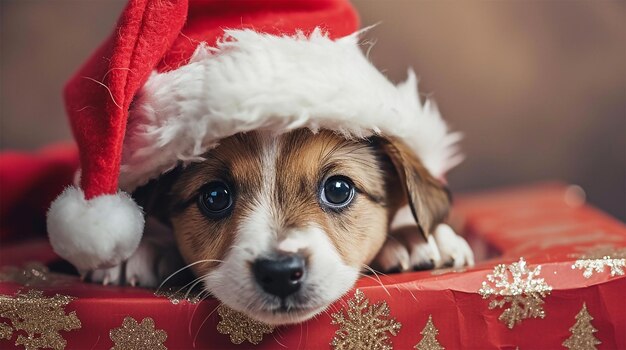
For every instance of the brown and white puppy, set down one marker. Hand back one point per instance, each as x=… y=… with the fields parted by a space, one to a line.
x=281 y=226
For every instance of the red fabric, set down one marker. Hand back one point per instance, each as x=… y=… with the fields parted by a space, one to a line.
x=208 y=19
x=99 y=95
x=533 y=222
x=148 y=35
x=28 y=183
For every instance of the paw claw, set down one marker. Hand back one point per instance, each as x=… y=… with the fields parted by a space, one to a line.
x=133 y=281
x=426 y=265
x=449 y=263
x=396 y=269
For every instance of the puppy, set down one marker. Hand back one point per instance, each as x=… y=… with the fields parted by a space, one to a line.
x=281 y=226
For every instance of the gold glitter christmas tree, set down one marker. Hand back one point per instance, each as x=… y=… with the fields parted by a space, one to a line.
x=364 y=326
x=520 y=288
x=40 y=317
x=582 y=332
x=240 y=327
x=429 y=339
x=137 y=336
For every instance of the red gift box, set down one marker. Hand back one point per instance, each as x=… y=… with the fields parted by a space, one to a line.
x=551 y=277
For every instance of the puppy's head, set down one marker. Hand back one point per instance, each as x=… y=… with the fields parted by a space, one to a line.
x=279 y=227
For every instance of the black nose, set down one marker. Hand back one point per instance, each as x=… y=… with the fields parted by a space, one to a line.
x=281 y=276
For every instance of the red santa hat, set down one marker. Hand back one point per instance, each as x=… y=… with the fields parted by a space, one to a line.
x=176 y=76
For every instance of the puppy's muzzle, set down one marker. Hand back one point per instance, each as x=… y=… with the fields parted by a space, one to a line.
x=280 y=276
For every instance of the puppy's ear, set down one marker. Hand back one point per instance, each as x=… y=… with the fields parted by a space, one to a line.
x=155 y=196
x=428 y=198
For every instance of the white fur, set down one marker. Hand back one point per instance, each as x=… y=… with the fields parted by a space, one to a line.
x=155 y=259
x=453 y=247
x=408 y=249
x=96 y=233
x=256 y=81
x=327 y=277
x=261 y=235
x=404 y=217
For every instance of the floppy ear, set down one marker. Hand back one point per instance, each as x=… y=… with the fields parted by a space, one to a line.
x=155 y=196
x=428 y=198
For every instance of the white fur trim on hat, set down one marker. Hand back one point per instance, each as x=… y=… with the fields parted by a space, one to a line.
x=95 y=233
x=256 y=81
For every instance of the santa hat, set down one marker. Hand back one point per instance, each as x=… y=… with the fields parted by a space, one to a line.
x=176 y=76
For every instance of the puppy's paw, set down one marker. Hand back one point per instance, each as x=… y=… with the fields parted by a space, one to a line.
x=406 y=249
x=454 y=249
x=147 y=267
x=392 y=257
x=110 y=276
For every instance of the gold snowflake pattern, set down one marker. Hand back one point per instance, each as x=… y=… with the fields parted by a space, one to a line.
x=364 y=326
x=40 y=317
x=241 y=327
x=582 y=337
x=137 y=336
x=520 y=288
x=429 y=337
x=6 y=331
x=597 y=258
x=597 y=265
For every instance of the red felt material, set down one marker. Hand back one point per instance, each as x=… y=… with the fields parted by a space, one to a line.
x=163 y=34
x=99 y=95
x=28 y=183
x=208 y=19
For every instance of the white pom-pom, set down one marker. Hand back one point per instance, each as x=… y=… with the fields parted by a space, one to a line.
x=95 y=233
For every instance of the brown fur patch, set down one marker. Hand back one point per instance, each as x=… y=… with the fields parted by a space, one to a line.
x=304 y=160
x=428 y=198
x=235 y=161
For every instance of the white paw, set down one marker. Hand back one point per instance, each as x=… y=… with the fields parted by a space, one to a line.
x=453 y=248
x=147 y=267
x=406 y=249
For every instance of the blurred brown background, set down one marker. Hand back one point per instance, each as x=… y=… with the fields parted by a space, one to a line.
x=538 y=87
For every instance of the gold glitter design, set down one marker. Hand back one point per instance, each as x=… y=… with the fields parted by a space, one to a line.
x=364 y=326
x=582 y=332
x=6 y=331
x=137 y=336
x=40 y=317
x=176 y=295
x=429 y=337
x=597 y=265
x=34 y=274
x=525 y=292
x=240 y=327
x=597 y=258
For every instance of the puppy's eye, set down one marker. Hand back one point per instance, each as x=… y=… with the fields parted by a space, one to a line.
x=215 y=200
x=337 y=192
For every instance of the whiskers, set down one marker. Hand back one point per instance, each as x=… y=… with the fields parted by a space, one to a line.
x=378 y=280
x=183 y=269
x=377 y=277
